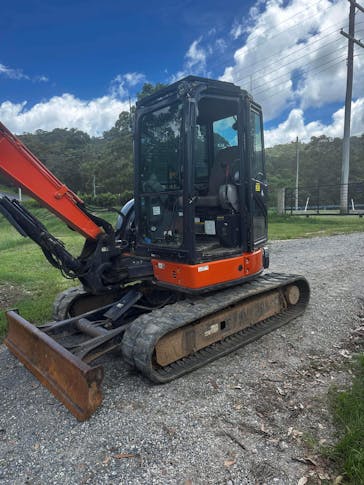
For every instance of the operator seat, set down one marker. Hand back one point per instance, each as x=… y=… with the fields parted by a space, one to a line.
x=222 y=174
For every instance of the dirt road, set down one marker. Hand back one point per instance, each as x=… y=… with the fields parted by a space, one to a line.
x=248 y=418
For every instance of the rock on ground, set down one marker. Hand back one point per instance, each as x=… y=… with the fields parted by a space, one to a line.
x=249 y=418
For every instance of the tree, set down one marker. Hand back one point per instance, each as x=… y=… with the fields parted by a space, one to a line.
x=149 y=89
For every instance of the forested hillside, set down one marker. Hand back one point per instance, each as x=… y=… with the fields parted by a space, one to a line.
x=319 y=163
x=105 y=164
x=81 y=161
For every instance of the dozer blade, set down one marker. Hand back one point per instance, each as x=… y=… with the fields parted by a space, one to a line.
x=72 y=381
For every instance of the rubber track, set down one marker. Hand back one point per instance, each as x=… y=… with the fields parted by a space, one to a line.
x=142 y=335
x=64 y=300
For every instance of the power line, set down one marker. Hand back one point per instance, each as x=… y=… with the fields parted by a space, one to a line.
x=297 y=59
x=314 y=69
x=337 y=61
x=318 y=36
x=289 y=18
x=303 y=71
x=250 y=38
x=295 y=52
x=300 y=68
x=302 y=47
x=224 y=57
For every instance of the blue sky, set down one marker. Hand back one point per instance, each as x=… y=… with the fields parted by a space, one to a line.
x=75 y=63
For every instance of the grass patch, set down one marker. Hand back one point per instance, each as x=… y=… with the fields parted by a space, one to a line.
x=8 y=189
x=24 y=266
x=292 y=227
x=348 y=412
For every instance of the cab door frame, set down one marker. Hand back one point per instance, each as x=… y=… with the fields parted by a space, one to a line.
x=257 y=181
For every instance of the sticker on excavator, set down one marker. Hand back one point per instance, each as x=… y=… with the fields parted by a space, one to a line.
x=72 y=381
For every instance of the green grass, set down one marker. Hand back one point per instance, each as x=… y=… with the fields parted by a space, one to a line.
x=23 y=265
x=348 y=412
x=291 y=227
x=8 y=190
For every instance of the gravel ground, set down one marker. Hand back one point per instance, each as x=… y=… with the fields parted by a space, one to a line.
x=248 y=418
x=10 y=294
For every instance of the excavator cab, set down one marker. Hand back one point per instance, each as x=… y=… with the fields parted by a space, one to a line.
x=200 y=185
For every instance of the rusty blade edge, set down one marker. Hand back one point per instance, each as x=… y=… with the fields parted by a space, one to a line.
x=73 y=382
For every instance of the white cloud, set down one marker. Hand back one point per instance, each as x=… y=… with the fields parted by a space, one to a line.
x=195 y=56
x=134 y=78
x=220 y=45
x=293 y=55
x=295 y=125
x=12 y=73
x=194 y=63
x=18 y=74
x=41 y=79
x=66 y=111
x=121 y=83
x=237 y=31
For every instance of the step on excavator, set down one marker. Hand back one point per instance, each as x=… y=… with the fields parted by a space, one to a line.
x=179 y=281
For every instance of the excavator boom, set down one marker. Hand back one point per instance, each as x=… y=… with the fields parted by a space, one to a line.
x=25 y=170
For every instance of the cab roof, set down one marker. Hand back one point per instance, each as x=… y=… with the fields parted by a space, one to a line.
x=212 y=86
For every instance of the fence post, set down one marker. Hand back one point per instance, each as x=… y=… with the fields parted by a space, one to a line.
x=281 y=201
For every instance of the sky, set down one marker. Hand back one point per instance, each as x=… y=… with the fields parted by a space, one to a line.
x=78 y=64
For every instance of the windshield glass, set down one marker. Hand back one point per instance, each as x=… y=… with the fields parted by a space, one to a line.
x=160 y=150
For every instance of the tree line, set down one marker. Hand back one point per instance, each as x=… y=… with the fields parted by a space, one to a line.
x=319 y=163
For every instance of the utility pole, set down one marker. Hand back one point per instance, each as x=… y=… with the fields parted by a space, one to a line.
x=297 y=169
x=349 y=91
x=94 y=185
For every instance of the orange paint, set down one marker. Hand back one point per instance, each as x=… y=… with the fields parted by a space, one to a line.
x=26 y=171
x=208 y=273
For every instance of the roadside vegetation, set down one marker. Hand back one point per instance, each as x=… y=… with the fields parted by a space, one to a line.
x=27 y=281
x=291 y=227
x=7 y=189
x=348 y=412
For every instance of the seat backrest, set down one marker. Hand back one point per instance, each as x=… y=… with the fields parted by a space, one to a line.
x=221 y=172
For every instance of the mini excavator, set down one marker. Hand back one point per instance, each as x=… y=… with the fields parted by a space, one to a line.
x=179 y=281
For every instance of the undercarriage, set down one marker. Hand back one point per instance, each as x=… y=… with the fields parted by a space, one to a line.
x=163 y=335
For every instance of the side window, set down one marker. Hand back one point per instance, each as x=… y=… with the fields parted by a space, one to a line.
x=257 y=162
x=225 y=133
x=160 y=149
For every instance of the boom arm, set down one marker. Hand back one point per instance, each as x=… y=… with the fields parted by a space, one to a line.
x=97 y=267
x=24 y=168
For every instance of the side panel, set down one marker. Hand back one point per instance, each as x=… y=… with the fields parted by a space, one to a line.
x=207 y=274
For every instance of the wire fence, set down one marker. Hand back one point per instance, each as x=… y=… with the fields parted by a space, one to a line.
x=323 y=199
